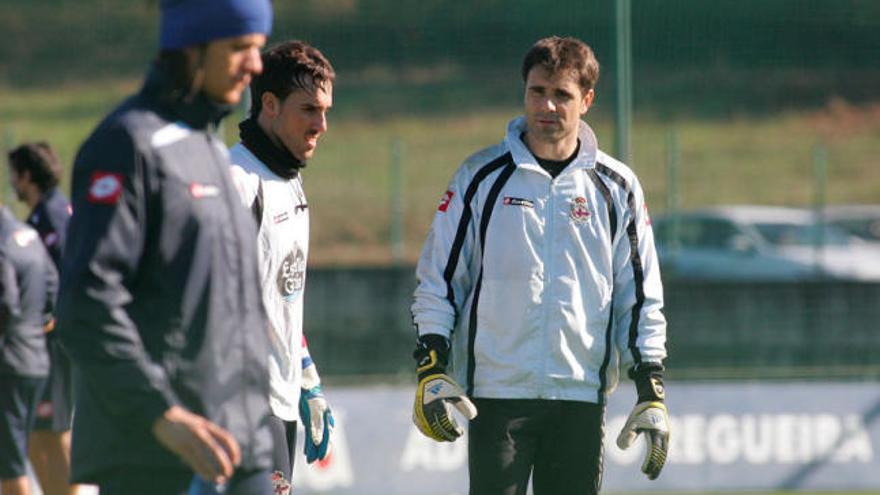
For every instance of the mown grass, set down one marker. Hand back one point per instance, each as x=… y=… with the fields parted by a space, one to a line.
x=746 y=159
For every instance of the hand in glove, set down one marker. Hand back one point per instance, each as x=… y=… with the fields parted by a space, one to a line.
x=649 y=417
x=437 y=392
x=314 y=412
x=318 y=423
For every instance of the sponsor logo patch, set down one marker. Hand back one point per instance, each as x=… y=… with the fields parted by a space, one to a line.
x=281 y=217
x=199 y=191
x=580 y=211
x=444 y=201
x=105 y=188
x=280 y=486
x=658 y=388
x=526 y=203
x=292 y=275
x=24 y=237
x=44 y=409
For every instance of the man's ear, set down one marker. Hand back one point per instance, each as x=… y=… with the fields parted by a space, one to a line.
x=271 y=105
x=587 y=102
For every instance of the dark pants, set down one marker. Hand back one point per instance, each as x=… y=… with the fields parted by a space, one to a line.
x=284 y=455
x=55 y=408
x=557 y=443
x=18 y=404
x=137 y=480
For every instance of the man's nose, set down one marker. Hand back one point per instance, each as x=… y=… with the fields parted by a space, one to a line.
x=321 y=122
x=254 y=63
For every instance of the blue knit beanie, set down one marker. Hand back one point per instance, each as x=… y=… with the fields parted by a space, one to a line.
x=193 y=22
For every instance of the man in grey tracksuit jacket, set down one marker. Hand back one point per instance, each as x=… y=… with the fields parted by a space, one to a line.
x=539 y=280
x=28 y=285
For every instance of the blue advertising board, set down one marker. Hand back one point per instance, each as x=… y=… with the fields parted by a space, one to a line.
x=725 y=436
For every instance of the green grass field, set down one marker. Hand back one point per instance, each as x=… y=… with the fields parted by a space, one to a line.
x=745 y=159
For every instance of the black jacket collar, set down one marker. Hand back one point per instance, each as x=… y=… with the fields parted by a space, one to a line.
x=177 y=104
x=278 y=158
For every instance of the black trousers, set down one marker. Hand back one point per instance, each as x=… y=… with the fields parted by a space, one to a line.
x=169 y=481
x=556 y=443
x=18 y=404
x=284 y=454
x=55 y=409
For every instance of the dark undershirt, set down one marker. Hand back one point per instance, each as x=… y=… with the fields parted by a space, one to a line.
x=555 y=167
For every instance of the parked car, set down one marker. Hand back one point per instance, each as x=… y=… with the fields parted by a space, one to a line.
x=760 y=243
x=862 y=221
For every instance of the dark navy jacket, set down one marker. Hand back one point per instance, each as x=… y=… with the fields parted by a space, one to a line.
x=49 y=218
x=160 y=298
x=28 y=285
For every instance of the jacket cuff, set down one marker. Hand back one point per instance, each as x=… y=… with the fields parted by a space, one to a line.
x=152 y=410
x=648 y=378
x=429 y=328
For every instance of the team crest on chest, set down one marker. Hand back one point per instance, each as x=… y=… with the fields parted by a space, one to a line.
x=580 y=211
x=292 y=275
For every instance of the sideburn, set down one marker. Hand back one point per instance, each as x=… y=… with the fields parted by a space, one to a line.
x=185 y=67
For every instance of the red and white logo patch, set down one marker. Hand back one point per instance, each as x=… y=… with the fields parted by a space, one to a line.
x=44 y=410
x=580 y=213
x=105 y=188
x=444 y=201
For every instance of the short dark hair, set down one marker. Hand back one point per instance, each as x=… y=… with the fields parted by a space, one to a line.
x=289 y=66
x=40 y=161
x=564 y=54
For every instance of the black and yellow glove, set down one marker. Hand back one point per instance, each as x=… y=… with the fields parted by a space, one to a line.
x=650 y=417
x=437 y=392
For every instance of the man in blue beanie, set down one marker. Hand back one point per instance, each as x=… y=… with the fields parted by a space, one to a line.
x=160 y=300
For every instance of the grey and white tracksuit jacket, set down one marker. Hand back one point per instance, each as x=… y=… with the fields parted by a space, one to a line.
x=547 y=287
x=282 y=215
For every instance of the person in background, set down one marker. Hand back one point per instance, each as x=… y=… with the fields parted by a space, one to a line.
x=34 y=171
x=291 y=99
x=159 y=306
x=539 y=279
x=28 y=286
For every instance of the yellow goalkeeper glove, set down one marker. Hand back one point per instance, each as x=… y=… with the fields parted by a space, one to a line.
x=437 y=393
x=648 y=417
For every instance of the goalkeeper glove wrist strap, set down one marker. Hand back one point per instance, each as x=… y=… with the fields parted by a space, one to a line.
x=431 y=355
x=648 y=378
